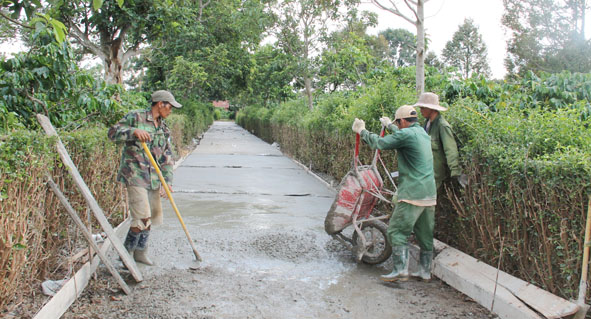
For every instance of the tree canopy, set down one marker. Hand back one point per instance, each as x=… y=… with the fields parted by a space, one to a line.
x=466 y=51
x=546 y=35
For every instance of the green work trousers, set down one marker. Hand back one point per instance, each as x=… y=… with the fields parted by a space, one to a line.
x=408 y=218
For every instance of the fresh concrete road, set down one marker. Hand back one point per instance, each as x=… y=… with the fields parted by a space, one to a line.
x=257 y=219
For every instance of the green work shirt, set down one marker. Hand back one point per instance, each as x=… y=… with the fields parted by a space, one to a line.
x=415 y=160
x=135 y=168
x=445 y=150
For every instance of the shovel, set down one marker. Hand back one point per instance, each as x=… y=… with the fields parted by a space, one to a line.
x=176 y=210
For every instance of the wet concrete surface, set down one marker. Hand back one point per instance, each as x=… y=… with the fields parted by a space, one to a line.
x=257 y=220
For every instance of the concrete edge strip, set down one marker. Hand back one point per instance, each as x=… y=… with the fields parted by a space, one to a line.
x=74 y=287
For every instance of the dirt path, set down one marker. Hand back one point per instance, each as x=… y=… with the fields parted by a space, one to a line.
x=257 y=220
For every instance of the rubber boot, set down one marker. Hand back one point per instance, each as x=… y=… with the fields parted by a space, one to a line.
x=131 y=241
x=141 y=250
x=424 y=272
x=130 y=244
x=400 y=270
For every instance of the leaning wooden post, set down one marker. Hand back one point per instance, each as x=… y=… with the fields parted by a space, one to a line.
x=92 y=203
x=87 y=235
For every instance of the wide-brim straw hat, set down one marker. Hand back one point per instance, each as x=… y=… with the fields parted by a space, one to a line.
x=430 y=101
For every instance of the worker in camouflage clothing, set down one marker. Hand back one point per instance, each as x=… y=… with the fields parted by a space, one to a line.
x=136 y=172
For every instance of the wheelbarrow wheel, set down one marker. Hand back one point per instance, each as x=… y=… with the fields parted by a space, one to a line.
x=376 y=237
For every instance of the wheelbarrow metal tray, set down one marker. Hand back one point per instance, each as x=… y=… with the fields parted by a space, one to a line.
x=353 y=198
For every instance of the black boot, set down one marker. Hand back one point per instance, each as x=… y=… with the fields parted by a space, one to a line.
x=141 y=251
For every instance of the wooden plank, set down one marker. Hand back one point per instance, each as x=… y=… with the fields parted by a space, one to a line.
x=88 y=235
x=92 y=203
x=64 y=298
x=463 y=273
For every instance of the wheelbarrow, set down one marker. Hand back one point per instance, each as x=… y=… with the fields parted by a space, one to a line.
x=358 y=194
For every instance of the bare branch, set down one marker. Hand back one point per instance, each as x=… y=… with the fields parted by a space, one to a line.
x=393 y=10
x=412 y=9
x=85 y=42
x=15 y=21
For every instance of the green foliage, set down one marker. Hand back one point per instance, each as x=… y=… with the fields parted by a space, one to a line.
x=47 y=80
x=186 y=79
x=197 y=117
x=345 y=64
x=269 y=77
x=216 y=54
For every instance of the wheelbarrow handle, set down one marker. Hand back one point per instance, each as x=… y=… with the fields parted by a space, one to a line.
x=358 y=142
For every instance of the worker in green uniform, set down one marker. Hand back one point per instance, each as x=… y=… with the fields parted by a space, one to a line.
x=136 y=172
x=416 y=200
x=443 y=144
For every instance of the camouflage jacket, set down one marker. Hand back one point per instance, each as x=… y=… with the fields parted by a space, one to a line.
x=135 y=168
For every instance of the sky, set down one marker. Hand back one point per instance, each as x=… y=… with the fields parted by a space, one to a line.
x=442 y=20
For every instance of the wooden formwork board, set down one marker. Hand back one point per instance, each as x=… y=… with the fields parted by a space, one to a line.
x=74 y=287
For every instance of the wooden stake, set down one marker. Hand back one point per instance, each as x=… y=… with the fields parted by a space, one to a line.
x=585 y=267
x=87 y=235
x=498 y=269
x=92 y=203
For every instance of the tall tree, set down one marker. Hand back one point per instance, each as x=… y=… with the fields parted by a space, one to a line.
x=432 y=60
x=546 y=35
x=218 y=52
x=301 y=26
x=466 y=51
x=115 y=30
x=345 y=63
x=402 y=45
x=416 y=16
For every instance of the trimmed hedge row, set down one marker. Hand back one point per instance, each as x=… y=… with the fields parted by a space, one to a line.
x=529 y=167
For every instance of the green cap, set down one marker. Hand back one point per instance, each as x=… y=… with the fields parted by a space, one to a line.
x=165 y=96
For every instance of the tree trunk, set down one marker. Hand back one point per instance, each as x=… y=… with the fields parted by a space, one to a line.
x=113 y=63
x=420 y=24
x=308 y=86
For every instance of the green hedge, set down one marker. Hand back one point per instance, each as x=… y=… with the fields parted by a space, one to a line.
x=525 y=146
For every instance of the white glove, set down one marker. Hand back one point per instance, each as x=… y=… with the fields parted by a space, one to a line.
x=358 y=126
x=386 y=121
